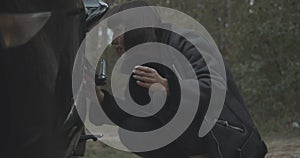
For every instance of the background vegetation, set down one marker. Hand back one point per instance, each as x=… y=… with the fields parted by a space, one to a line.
x=260 y=41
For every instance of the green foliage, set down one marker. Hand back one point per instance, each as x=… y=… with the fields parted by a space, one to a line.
x=99 y=150
x=266 y=61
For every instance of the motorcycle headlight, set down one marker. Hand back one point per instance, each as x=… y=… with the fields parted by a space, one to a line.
x=18 y=29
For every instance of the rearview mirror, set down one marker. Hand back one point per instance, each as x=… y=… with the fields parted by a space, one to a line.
x=95 y=9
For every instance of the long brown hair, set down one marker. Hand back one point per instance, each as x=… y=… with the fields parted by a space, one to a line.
x=140 y=35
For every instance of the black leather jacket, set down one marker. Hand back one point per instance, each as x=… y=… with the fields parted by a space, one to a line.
x=233 y=136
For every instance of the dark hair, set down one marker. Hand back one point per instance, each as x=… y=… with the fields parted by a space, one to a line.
x=140 y=35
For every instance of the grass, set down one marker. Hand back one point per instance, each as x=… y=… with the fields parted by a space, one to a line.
x=99 y=150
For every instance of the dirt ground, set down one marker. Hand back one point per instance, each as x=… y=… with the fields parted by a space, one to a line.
x=278 y=147
x=284 y=148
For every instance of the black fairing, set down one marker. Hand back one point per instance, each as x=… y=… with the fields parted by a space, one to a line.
x=36 y=85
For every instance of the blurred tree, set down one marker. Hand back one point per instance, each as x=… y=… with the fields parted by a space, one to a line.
x=267 y=56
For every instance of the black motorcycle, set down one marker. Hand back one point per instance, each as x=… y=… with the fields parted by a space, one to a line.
x=38 y=45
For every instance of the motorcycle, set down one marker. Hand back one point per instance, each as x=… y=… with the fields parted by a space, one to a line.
x=38 y=45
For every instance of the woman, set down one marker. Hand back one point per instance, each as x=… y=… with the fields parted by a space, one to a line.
x=234 y=135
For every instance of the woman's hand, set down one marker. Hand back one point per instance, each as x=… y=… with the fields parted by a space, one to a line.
x=88 y=80
x=100 y=95
x=147 y=76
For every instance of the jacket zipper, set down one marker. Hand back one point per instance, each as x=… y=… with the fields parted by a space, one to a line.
x=226 y=124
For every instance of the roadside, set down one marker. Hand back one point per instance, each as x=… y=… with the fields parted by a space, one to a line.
x=278 y=147
x=284 y=148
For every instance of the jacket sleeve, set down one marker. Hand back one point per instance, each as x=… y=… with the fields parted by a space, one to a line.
x=201 y=58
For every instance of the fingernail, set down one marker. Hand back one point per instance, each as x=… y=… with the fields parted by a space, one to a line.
x=134 y=76
x=133 y=71
x=136 y=66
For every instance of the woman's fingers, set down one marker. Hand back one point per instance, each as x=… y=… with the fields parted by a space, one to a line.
x=145 y=69
x=144 y=76
x=143 y=84
x=144 y=79
x=147 y=76
x=142 y=73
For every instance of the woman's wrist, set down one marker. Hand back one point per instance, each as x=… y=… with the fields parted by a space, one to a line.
x=100 y=95
x=165 y=83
